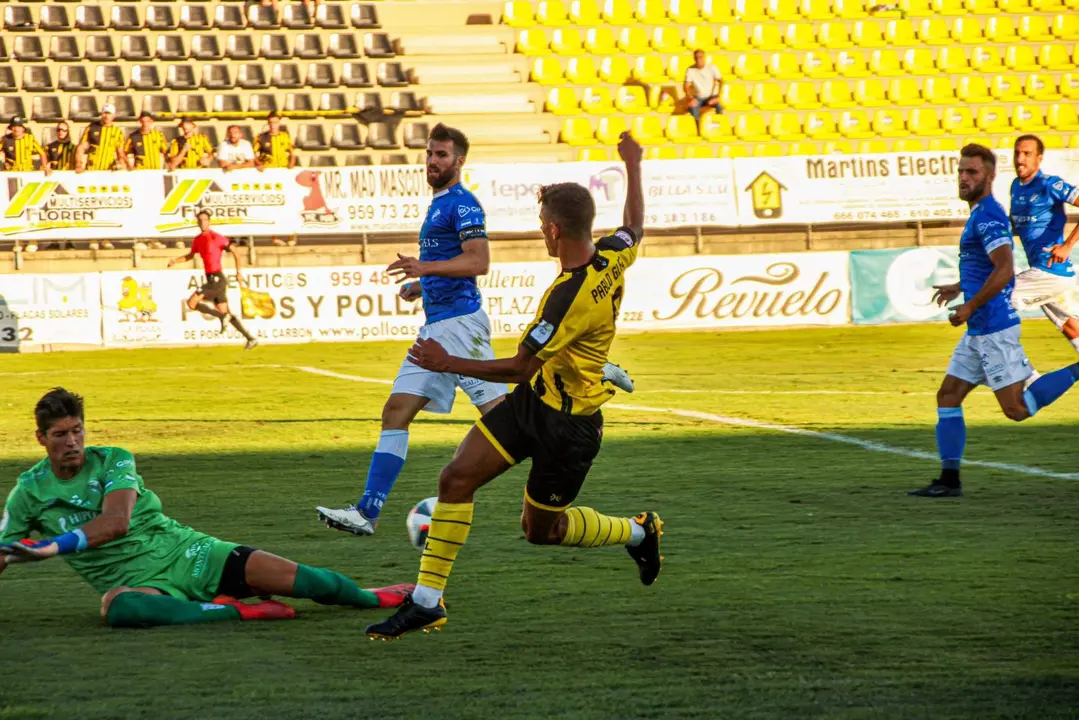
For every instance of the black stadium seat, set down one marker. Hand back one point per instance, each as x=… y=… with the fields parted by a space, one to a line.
x=27 y=48
x=227 y=103
x=205 y=47
x=251 y=77
x=109 y=78
x=405 y=103
x=261 y=18
x=73 y=78
x=83 y=109
x=64 y=48
x=135 y=48
x=125 y=107
x=157 y=105
x=358 y=159
x=18 y=18
x=295 y=17
x=54 y=19
x=229 y=17
x=145 y=77
x=369 y=106
x=323 y=161
x=311 y=137
x=365 y=17
x=346 y=136
x=380 y=136
x=261 y=103
x=275 y=47
x=286 y=75
x=298 y=102
x=195 y=17
x=331 y=103
x=391 y=74
x=3 y=50
x=99 y=48
x=394 y=159
x=89 y=16
x=181 y=77
x=160 y=18
x=321 y=75
x=331 y=16
x=343 y=46
x=309 y=47
x=11 y=106
x=7 y=79
x=378 y=45
x=217 y=77
x=416 y=135
x=171 y=47
x=125 y=18
x=240 y=47
x=356 y=75
x=191 y=104
x=37 y=79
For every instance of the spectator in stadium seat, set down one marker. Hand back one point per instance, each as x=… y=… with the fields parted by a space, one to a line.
x=702 y=85
x=235 y=152
x=61 y=151
x=192 y=150
x=19 y=147
x=102 y=144
x=274 y=150
x=146 y=147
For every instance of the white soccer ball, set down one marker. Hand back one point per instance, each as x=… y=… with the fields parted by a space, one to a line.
x=419 y=522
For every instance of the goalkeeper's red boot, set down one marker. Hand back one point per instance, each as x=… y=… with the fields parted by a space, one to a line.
x=392 y=596
x=264 y=610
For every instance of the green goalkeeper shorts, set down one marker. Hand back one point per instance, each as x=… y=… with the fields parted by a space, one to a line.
x=194 y=571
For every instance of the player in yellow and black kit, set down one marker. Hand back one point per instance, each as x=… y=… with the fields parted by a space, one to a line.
x=273 y=148
x=61 y=151
x=18 y=148
x=553 y=415
x=146 y=147
x=102 y=143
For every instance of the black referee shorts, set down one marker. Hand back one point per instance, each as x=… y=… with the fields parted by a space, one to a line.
x=215 y=289
x=562 y=446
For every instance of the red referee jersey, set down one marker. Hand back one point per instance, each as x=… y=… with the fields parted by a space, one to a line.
x=210 y=245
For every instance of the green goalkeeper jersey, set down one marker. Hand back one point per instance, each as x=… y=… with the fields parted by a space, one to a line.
x=40 y=502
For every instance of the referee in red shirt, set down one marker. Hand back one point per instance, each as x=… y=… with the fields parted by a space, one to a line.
x=211 y=246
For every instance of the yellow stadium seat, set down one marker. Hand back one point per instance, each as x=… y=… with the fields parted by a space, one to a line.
x=584 y=13
x=582 y=70
x=1014 y=7
x=900 y=33
x=924 y=122
x=782 y=10
x=1069 y=85
x=767 y=96
x=946 y=144
x=938 y=91
x=716 y=128
x=783 y=66
x=600 y=41
x=1066 y=27
x=546 y=71
x=885 y=63
x=578 y=131
x=872 y=147
x=1000 y=29
x=1047 y=6
x=733 y=151
x=981 y=7
x=649 y=69
x=852 y=64
x=818 y=65
x=985 y=59
x=676 y=68
x=868 y=34
x=1034 y=28
x=518 y=14
x=952 y=60
x=1028 y=118
x=614 y=70
x=595 y=154
x=662 y=152
x=617 y=12
x=750 y=67
x=934 y=31
x=716 y=11
x=919 y=61
x=1006 y=88
x=1020 y=58
x=610 y=129
x=633 y=41
x=562 y=101
x=948 y=7
x=802 y=96
x=982 y=140
x=567 y=41
x=889 y=123
x=667 y=40
x=992 y=119
x=871 y=93
x=750 y=10
x=682 y=129
x=1040 y=87
x=733 y=38
x=1055 y=57
x=916 y=8
x=854 y=125
x=1052 y=142
x=815 y=9
x=967 y=31
x=1075 y=55
x=958 y=121
x=684 y=12
x=766 y=37
x=1074 y=142
x=785 y=126
x=904 y=91
x=972 y=90
x=751 y=128
x=661 y=99
x=849 y=9
x=598 y=101
x=1062 y=116
x=701 y=152
x=533 y=41
x=838 y=147
x=651 y=12
x=803 y=148
x=836 y=94
x=820 y=126
x=701 y=37
x=908 y=145
x=552 y=13
x=834 y=36
x=647 y=130
x=735 y=97
x=800 y=36
x=767 y=150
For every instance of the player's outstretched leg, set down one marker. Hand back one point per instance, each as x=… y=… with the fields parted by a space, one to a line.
x=1066 y=323
x=1047 y=389
x=146 y=607
x=267 y=574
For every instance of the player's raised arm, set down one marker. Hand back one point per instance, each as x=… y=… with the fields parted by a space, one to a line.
x=633 y=213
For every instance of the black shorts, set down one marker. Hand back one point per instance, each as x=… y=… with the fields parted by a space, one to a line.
x=234 y=577
x=562 y=446
x=215 y=288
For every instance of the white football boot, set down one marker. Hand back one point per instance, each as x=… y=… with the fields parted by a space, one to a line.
x=348 y=519
x=617 y=377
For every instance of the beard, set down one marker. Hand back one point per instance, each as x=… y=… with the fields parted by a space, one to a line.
x=441 y=179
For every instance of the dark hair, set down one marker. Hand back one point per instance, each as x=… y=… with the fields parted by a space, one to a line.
x=54 y=405
x=188 y=120
x=146 y=113
x=274 y=114
x=200 y=213
x=441 y=133
x=1037 y=140
x=980 y=151
x=571 y=206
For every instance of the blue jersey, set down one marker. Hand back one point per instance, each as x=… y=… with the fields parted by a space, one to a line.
x=454 y=217
x=1038 y=219
x=986 y=230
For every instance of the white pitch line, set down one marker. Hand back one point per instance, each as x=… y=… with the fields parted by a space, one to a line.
x=339 y=376
x=701 y=391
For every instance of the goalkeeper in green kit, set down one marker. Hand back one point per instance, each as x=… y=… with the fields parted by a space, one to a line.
x=93 y=509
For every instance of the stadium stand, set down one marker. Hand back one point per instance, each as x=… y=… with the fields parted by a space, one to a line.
x=555 y=79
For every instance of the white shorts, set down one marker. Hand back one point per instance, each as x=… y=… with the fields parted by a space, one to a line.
x=996 y=360
x=463 y=336
x=1036 y=287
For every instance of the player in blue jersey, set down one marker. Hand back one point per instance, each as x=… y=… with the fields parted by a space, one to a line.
x=990 y=352
x=1038 y=218
x=453 y=251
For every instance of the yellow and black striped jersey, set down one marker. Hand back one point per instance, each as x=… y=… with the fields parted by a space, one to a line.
x=197 y=146
x=575 y=325
x=105 y=142
x=148 y=150
x=19 y=154
x=61 y=155
x=274 y=150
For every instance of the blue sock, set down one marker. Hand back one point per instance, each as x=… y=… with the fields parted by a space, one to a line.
x=1048 y=388
x=386 y=465
x=951 y=437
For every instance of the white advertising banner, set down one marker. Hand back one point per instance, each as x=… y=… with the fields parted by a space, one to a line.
x=50 y=309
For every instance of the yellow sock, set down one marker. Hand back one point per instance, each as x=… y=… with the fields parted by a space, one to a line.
x=450 y=524
x=587 y=528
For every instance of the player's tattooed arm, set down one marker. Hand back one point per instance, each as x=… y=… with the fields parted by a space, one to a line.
x=430 y=355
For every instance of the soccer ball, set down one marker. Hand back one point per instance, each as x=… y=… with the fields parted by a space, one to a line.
x=419 y=522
